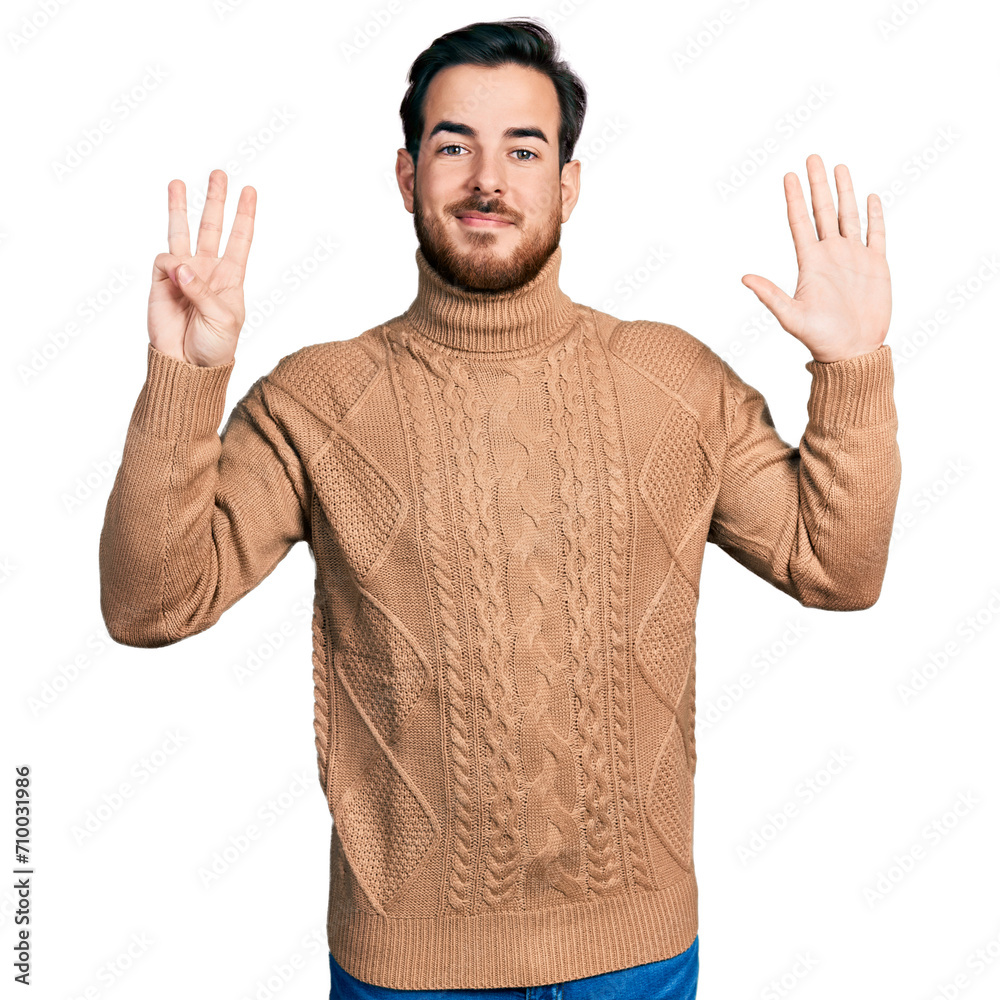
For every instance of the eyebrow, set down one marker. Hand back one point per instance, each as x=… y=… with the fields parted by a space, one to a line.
x=459 y=128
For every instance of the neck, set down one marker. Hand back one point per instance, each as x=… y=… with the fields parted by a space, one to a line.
x=490 y=322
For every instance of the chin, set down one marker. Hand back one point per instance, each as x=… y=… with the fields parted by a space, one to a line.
x=490 y=249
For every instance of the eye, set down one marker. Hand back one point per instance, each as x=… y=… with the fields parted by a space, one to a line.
x=523 y=159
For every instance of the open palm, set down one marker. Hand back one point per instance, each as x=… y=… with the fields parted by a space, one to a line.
x=842 y=301
x=199 y=321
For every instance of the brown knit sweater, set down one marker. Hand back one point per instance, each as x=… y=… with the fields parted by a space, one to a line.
x=508 y=499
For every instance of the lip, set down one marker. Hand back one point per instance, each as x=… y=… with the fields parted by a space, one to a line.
x=481 y=220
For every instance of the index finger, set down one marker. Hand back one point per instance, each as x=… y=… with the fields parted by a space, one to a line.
x=238 y=244
x=799 y=222
x=178 y=237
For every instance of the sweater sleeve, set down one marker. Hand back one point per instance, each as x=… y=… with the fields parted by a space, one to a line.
x=814 y=521
x=194 y=520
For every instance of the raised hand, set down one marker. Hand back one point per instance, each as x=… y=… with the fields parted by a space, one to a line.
x=196 y=308
x=842 y=300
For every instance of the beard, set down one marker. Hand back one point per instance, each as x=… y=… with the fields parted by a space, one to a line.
x=482 y=267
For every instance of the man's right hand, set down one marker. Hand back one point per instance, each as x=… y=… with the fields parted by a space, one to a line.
x=199 y=321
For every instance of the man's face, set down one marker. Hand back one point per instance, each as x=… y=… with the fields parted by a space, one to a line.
x=467 y=164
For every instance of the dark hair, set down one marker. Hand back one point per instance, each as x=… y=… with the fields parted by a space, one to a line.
x=525 y=42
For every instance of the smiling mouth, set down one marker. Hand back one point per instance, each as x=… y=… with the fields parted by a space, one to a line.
x=477 y=222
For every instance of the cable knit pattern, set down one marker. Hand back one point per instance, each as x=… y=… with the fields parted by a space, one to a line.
x=575 y=492
x=508 y=498
x=324 y=722
x=615 y=502
x=493 y=632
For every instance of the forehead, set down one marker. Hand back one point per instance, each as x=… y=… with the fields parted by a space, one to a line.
x=491 y=95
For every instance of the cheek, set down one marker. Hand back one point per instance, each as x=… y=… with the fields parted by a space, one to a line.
x=438 y=190
x=538 y=203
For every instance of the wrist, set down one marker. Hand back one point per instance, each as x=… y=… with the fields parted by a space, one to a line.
x=832 y=358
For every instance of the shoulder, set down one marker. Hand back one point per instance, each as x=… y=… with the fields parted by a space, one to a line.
x=329 y=377
x=669 y=356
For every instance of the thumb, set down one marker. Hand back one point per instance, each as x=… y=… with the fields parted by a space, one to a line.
x=780 y=303
x=208 y=304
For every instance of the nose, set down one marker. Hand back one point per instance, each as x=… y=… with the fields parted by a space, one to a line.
x=486 y=179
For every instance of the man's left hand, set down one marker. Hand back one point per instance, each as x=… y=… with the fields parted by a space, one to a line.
x=842 y=300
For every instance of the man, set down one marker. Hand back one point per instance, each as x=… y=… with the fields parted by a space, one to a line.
x=507 y=495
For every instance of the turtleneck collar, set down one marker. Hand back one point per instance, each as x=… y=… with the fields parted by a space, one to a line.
x=466 y=320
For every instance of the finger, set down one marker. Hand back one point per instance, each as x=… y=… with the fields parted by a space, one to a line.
x=210 y=230
x=850 y=224
x=178 y=236
x=238 y=244
x=822 y=198
x=208 y=304
x=803 y=234
x=779 y=302
x=164 y=269
x=876 y=225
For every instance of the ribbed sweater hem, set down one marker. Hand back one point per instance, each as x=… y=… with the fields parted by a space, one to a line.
x=507 y=949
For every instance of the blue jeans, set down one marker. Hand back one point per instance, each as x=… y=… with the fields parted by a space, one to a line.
x=672 y=979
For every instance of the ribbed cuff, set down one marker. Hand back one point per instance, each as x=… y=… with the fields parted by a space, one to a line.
x=181 y=400
x=855 y=392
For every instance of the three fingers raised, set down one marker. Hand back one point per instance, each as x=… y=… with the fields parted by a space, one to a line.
x=210 y=230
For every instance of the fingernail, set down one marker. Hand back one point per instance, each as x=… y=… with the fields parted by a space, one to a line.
x=184 y=273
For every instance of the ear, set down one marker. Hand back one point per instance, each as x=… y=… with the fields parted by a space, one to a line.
x=569 y=187
x=406 y=173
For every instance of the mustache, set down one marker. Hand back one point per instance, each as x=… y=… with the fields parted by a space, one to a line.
x=491 y=207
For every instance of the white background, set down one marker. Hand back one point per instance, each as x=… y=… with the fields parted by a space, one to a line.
x=910 y=109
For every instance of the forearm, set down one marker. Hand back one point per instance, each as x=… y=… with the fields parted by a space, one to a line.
x=816 y=520
x=849 y=483
x=193 y=520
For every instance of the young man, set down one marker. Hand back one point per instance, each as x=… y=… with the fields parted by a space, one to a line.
x=508 y=495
